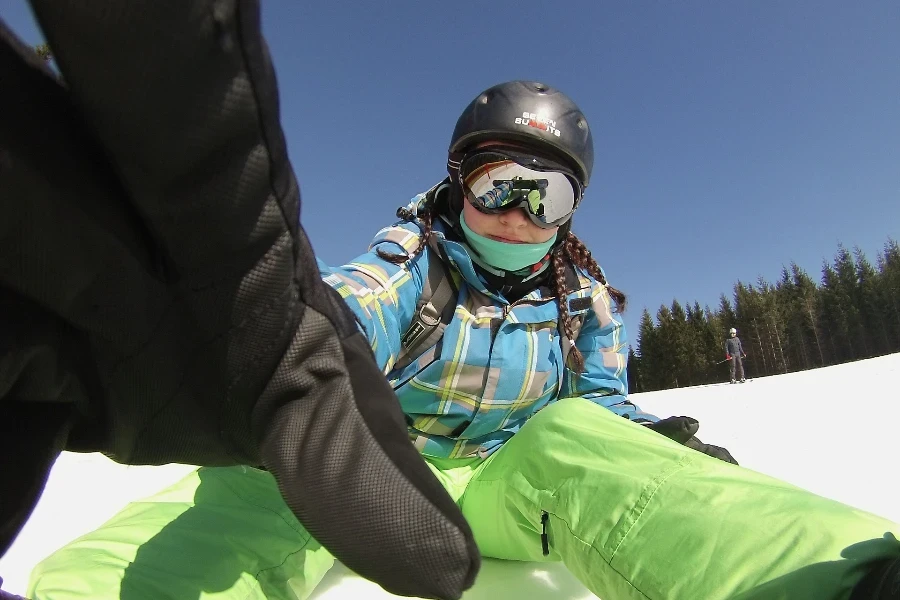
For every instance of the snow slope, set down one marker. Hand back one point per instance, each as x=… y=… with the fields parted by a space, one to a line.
x=831 y=430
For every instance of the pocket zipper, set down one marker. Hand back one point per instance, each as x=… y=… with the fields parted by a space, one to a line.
x=545 y=541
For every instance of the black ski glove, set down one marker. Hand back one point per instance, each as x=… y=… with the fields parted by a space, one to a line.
x=159 y=301
x=682 y=430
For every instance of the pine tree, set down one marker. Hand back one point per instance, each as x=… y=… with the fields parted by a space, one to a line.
x=808 y=299
x=837 y=327
x=667 y=371
x=771 y=312
x=872 y=311
x=752 y=328
x=648 y=353
x=713 y=336
x=634 y=370
x=889 y=280
x=798 y=356
x=698 y=359
x=681 y=346
x=845 y=267
x=727 y=314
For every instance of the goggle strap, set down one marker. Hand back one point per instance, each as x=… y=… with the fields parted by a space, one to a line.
x=454 y=162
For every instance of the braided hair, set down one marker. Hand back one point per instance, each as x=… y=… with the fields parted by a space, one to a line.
x=571 y=250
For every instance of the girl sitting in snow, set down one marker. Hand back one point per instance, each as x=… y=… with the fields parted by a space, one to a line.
x=501 y=337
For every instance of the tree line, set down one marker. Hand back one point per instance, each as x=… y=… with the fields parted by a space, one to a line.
x=790 y=325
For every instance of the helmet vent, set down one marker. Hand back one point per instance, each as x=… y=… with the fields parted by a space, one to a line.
x=541 y=87
x=484 y=99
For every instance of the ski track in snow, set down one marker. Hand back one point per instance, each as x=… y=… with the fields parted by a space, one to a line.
x=830 y=430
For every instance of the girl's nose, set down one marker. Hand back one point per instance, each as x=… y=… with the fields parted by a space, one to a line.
x=514 y=218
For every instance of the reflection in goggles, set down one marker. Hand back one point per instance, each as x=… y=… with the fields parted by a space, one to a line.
x=514 y=191
x=496 y=183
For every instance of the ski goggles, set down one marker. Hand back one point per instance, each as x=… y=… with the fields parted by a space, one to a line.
x=496 y=182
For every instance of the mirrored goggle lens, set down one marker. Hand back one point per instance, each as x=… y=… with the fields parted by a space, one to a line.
x=496 y=183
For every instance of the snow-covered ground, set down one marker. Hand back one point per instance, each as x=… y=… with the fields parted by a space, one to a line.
x=832 y=431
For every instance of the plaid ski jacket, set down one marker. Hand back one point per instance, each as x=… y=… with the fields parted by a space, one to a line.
x=497 y=363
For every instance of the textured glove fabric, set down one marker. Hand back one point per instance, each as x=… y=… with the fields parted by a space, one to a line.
x=7 y=595
x=683 y=430
x=159 y=301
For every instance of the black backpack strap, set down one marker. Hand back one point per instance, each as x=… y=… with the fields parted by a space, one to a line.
x=434 y=311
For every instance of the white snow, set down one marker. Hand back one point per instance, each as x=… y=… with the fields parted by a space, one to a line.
x=831 y=430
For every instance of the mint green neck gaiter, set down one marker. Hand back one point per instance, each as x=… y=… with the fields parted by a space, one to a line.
x=502 y=255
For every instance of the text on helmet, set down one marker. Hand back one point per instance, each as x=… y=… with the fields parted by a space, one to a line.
x=538 y=122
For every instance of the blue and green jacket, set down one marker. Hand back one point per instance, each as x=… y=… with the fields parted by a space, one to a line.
x=497 y=364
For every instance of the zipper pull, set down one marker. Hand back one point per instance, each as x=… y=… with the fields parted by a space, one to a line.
x=506 y=310
x=545 y=541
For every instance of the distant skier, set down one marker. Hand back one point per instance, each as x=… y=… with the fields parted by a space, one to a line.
x=734 y=354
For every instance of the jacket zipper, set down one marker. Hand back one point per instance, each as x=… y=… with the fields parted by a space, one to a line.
x=496 y=323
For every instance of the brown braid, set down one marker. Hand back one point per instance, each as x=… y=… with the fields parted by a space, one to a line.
x=579 y=255
x=426 y=215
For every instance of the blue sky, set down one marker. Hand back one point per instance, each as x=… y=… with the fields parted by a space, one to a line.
x=731 y=137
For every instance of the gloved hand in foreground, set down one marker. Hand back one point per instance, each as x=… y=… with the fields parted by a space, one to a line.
x=7 y=595
x=159 y=301
x=682 y=430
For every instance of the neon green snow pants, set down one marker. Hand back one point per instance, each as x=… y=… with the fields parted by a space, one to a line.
x=630 y=513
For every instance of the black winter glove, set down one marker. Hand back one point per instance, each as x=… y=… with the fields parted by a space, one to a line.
x=682 y=430
x=159 y=301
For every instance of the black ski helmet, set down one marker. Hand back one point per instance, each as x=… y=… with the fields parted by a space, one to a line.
x=529 y=112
